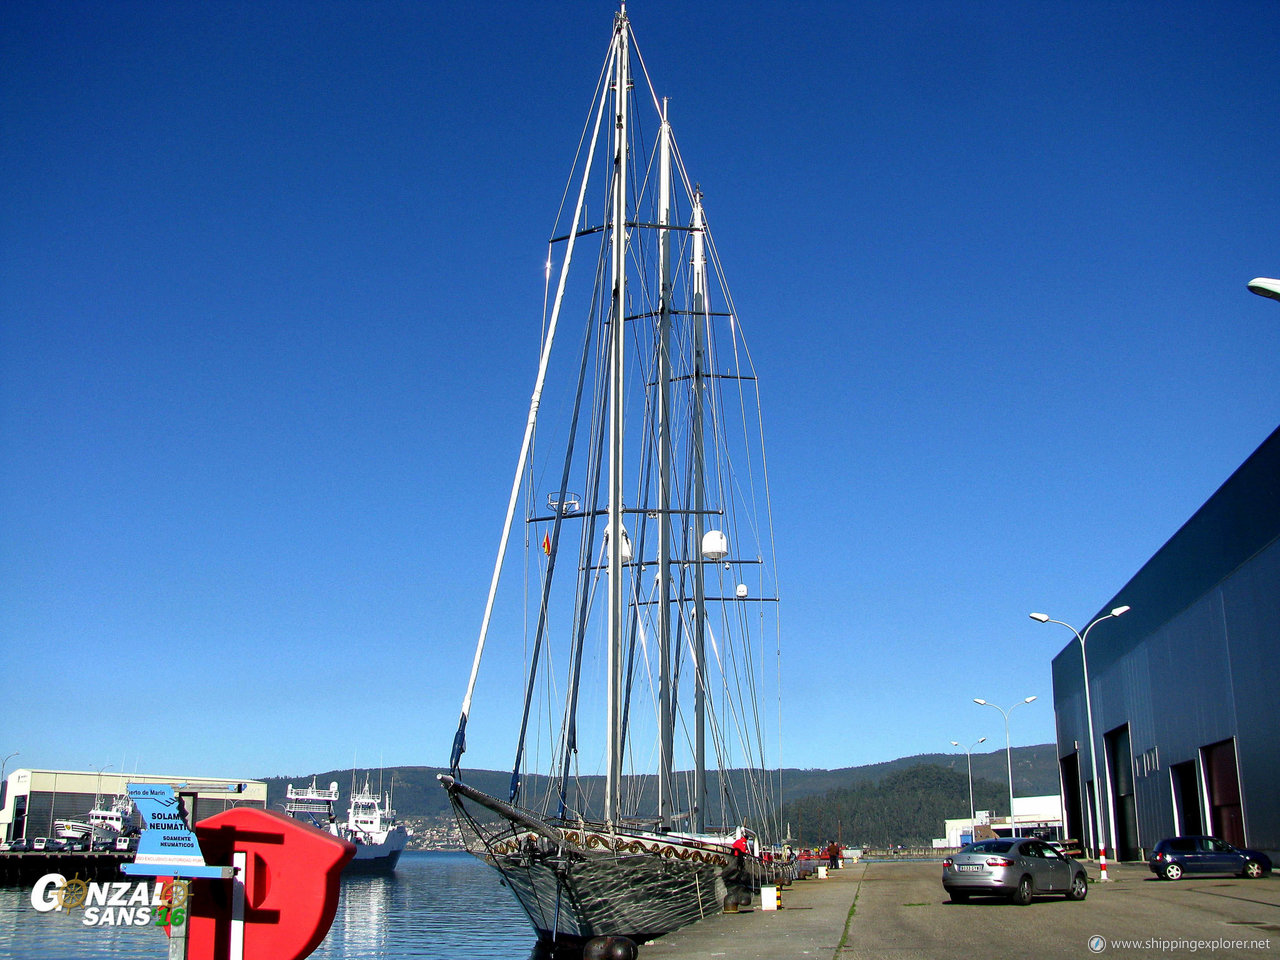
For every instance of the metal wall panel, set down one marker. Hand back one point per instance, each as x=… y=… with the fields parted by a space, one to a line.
x=1194 y=662
x=1252 y=613
x=39 y=815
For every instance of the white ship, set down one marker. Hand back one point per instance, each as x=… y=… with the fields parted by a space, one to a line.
x=103 y=823
x=371 y=823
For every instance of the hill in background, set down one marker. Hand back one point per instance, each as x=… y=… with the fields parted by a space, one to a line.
x=1035 y=773
x=897 y=801
x=907 y=807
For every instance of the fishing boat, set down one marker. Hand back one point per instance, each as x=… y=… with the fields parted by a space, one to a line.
x=103 y=824
x=648 y=581
x=371 y=823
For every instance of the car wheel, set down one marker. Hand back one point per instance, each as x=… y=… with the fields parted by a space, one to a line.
x=1079 y=887
x=1022 y=896
x=1173 y=871
x=1252 y=869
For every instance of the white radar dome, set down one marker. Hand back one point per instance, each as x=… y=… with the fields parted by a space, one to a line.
x=715 y=545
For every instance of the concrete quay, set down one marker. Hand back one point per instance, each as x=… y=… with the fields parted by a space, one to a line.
x=898 y=910
x=25 y=868
x=811 y=923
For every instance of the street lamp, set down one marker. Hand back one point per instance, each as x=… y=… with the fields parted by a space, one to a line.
x=4 y=791
x=969 y=757
x=1099 y=840
x=1265 y=287
x=97 y=796
x=1008 y=752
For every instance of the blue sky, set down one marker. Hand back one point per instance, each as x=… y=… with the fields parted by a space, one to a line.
x=270 y=283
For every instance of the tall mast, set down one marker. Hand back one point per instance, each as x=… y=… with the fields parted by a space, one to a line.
x=460 y=737
x=666 y=736
x=700 y=308
x=617 y=339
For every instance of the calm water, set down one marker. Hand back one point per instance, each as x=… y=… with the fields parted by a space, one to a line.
x=442 y=906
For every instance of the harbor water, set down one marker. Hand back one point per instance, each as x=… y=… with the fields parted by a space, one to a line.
x=439 y=906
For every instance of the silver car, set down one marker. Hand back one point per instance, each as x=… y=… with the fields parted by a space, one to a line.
x=1015 y=868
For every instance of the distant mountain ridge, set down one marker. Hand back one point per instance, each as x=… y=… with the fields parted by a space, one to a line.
x=909 y=807
x=1035 y=771
x=418 y=794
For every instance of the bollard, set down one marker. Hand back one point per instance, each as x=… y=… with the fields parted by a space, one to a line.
x=770 y=897
x=822 y=873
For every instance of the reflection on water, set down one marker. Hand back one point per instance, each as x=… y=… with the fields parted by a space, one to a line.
x=441 y=906
x=26 y=933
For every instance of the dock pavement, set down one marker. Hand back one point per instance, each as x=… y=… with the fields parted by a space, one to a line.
x=811 y=923
x=876 y=909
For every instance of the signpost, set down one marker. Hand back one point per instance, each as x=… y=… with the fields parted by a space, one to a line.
x=167 y=847
x=265 y=887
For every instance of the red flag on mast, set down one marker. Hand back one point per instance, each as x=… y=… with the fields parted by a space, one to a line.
x=546 y=544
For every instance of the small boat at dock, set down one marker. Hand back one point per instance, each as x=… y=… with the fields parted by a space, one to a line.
x=102 y=825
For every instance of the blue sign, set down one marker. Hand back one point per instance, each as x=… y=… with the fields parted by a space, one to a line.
x=167 y=847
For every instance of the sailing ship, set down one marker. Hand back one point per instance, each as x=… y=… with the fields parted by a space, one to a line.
x=647 y=532
x=371 y=823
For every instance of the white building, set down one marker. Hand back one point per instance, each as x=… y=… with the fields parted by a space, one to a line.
x=1038 y=816
x=31 y=800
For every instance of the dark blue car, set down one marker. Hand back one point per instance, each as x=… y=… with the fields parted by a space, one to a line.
x=1179 y=855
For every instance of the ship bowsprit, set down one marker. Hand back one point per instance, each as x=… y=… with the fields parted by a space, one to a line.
x=577 y=880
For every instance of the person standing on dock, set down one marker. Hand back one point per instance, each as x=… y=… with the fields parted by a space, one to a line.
x=833 y=855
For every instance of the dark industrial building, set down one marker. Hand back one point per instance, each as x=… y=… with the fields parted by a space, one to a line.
x=1185 y=685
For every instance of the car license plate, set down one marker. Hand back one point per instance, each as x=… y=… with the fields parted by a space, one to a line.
x=968 y=868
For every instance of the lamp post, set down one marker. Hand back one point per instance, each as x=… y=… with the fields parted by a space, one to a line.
x=4 y=790
x=1265 y=287
x=97 y=796
x=969 y=757
x=1099 y=840
x=1008 y=751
